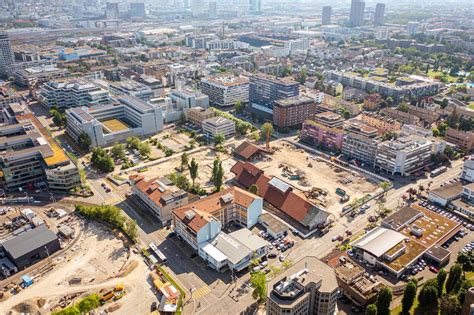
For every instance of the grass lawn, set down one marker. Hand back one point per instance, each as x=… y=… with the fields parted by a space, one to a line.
x=433 y=74
x=397 y=310
x=470 y=275
x=471 y=105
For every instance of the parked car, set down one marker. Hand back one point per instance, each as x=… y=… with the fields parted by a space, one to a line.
x=272 y=255
x=434 y=269
x=282 y=257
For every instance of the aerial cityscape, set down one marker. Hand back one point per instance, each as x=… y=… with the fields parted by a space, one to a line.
x=243 y=157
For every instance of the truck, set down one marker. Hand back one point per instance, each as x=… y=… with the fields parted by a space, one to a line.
x=294 y=177
x=341 y=192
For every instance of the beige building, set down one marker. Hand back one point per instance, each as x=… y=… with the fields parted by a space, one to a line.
x=198 y=114
x=463 y=139
x=381 y=123
x=307 y=288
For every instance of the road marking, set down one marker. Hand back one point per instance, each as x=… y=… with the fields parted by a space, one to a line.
x=201 y=292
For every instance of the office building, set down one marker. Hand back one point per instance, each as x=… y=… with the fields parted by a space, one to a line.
x=405 y=155
x=212 y=9
x=110 y=123
x=199 y=224
x=308 y=287
x=381 y=123
x=360 y=142
x=326 y=18
x=225 y=90
x=468 y=169
x=379 y=16
x=6 y=55
x=30 y=157
x=218 y=125
x=412 y=28
x=111 y=10
x=356 y=17
x=465 y=205
x=131 y=88
x=72 y=93
x=35 y=76
x=179 y=101
x=462 y=139
x=137 y=9
x=159 y=196
x=264 y=90
x=291 y=112
x=197 y=115
x=8 y=96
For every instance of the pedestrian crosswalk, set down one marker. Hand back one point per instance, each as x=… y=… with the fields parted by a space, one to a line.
x=198 y=293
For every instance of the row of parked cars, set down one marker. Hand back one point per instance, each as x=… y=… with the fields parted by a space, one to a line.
x=282 y=243
x=447 y=214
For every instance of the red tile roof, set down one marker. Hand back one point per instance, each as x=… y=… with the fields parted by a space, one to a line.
x=247 y=150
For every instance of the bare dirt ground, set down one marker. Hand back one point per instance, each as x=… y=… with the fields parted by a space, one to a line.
x=321 y=174
x=98 y=261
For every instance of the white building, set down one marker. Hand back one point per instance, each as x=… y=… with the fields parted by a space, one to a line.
x=297 y=44
x=225 y=90
x=72 y=93
x=215 y=125
x=108 y=124
x=444 y=195
x=468 y=170
x=128 y=87
x=465 y=205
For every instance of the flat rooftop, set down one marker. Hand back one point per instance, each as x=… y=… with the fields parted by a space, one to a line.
x=115 y=125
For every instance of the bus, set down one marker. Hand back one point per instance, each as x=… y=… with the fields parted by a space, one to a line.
x=438 y=171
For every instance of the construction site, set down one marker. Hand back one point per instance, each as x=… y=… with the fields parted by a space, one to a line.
x=323 y=182
x=96 y=262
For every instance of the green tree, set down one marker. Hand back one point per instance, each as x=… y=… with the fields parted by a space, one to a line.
x=131 y=229
x=384 y=298
x=409 y=295
x=454 y=279
x=118 y=151
x=453 y=119
x=403 y=107
x=84 y=141
x=428 y=298
x=371 y=309
x=253 y=189
x=255 y=136
x=144 y=149
x=239 y=107
x=217 y=174
x=184 y=160
x=385 y=186
x=267 y=130
x=88 y=303
x=449 y=305
x=133 y=143
x=219 y=138
x=258 y=281
x=466 y=260
x=440 y=279
x=193 y=170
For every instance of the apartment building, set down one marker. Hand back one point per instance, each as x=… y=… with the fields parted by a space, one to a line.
x=159 y=196
x=72 y=93
x=200 y=223
x=372 y=101
x=404 y=155
x=215 y=125
x=360 y=142
x=110 y=123
x=336 y=105
x=264 y=90
x=30 y=157
x=382 y=123
x=292 y=111
x=197 y=115
x=307 y=287
x=398 y=115
x=463 y=139
x=325 y=129
x=35 y=76
x=468 y=170
x=226 y=90
x=8 y=96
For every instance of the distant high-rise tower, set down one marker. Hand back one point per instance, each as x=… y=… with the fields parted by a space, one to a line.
x=186 y=4
x=326 y=19
x=357 y=13
x=255 y=5
x=6 y=55
x=111 y=10
x=379 y=14
x=137 y=9
x=212 y=10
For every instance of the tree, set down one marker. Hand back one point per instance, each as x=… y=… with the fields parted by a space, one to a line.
x=258 y=281
x=255 y=136
x=371 y=309
x=130 y=228
x=118 y=151
x=253 y=189
x=193 y=170
x=144 y=149
x=441 y=278
x=454 y=279
x=217 y=174
x=449 y=304
x=466 y=260
x=239 y=107
x=403 y=107
x=218 y=139
x=84 y=141
x=267 y=130
x=385 y=186
x=409 y=295
x=384 y=298
x=133 y=143
x=453 y=119
x=428 y=298
x=184 y=160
